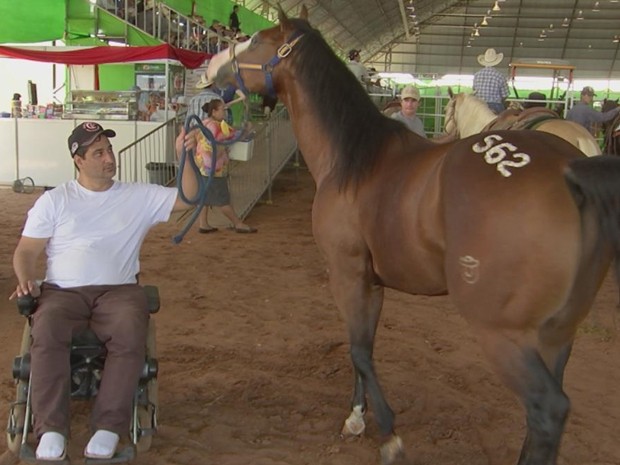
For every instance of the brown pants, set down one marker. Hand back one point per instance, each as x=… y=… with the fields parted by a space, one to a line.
x=119 y=317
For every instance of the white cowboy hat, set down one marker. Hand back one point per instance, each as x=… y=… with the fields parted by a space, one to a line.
x=490 y=58
x=204 y=82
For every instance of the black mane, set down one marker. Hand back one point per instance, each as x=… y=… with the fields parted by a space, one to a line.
x=356 y=128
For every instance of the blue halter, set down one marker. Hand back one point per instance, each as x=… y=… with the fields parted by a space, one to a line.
x=283 y=51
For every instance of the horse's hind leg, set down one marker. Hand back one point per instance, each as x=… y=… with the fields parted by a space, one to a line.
x=523 y=370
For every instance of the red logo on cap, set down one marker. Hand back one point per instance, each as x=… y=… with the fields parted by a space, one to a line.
x=91 y=127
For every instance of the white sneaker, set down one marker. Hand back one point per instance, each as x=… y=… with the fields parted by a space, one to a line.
x=52 y=447
x=102 y=445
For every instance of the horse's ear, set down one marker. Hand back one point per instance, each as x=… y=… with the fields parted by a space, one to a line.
x=282 y=18
x=450 y=93
x=303 y=14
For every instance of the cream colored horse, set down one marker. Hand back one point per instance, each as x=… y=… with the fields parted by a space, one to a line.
x=466 y=115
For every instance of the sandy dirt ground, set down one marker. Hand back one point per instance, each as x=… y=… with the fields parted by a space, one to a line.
x=254 y=364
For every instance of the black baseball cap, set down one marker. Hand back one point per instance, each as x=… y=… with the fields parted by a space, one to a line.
x=354 y=53
x=587 y=90
x=85 y=134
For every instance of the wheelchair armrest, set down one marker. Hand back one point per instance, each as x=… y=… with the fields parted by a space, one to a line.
x=26 y=305
x=152 y=298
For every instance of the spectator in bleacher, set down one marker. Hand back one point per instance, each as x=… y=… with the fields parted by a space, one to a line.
x=233 y=20
x=212 y=46
x=216 y=26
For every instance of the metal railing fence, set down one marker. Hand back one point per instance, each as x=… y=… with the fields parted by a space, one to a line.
x=151 y=158
x=165 y=23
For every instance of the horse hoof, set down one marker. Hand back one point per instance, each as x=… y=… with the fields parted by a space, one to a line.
x=353 y=427
x=391 y=450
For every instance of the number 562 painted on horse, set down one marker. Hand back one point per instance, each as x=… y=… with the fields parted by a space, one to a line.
x=496 y=154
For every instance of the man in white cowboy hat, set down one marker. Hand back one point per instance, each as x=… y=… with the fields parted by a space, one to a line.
x=489 y=84
x=210 y=92
x=205 y=96
x=583 y=113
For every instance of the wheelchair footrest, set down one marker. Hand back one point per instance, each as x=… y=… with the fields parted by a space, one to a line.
x=26 y=454
x=126 y=455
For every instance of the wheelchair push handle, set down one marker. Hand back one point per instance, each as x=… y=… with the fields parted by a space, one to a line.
x=26 y=305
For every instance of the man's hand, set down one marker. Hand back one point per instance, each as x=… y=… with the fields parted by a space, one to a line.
x=187 y=140
x=28 y=288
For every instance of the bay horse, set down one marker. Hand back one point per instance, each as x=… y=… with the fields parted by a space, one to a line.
x=509 y=223
x=466 y=114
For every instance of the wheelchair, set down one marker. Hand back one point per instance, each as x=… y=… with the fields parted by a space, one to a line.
x=87 y=358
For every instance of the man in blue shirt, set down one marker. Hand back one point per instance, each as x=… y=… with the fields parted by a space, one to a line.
x=583 y=113
x=489 y=84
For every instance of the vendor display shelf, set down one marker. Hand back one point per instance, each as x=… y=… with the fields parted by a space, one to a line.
x=101 y=105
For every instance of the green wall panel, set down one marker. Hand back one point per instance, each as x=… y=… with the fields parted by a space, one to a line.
x=27 y=21
x=116 y=77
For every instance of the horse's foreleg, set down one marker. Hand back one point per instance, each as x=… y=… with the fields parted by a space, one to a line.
x=540 y=390
x=360 y=301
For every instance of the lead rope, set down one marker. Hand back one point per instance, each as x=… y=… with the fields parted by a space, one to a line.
x=203 y=181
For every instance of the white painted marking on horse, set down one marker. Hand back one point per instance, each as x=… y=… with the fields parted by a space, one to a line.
x=496 y=154
x=470 y=268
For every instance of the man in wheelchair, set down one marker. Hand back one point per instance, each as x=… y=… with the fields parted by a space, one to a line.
x=91 y=229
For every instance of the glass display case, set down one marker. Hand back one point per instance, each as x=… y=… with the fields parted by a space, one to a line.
x=102 y=105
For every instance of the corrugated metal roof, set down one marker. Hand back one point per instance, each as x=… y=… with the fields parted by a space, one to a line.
x=441 y=38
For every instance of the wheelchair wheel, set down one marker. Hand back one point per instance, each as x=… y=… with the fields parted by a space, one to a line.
x=147 y=414
x=17 y=412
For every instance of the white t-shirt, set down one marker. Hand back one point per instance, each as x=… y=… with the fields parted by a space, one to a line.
x=95 y=237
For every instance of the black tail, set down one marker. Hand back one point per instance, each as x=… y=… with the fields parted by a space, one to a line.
x=596 y=181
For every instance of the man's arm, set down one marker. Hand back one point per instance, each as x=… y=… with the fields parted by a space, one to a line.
x=240 y=98
x=24 y=264
x=599 y=117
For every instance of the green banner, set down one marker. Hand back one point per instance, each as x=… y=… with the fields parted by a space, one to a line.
x=28 y=21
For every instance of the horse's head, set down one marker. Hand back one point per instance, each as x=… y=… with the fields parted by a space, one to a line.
x=609 y=104
x=450 y=126
x=466 y=114
x=253 y=65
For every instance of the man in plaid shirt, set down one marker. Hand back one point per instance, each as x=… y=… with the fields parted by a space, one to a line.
x=205 y=96
x=489 y=84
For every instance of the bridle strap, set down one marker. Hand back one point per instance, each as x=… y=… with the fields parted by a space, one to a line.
x=283 y=51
